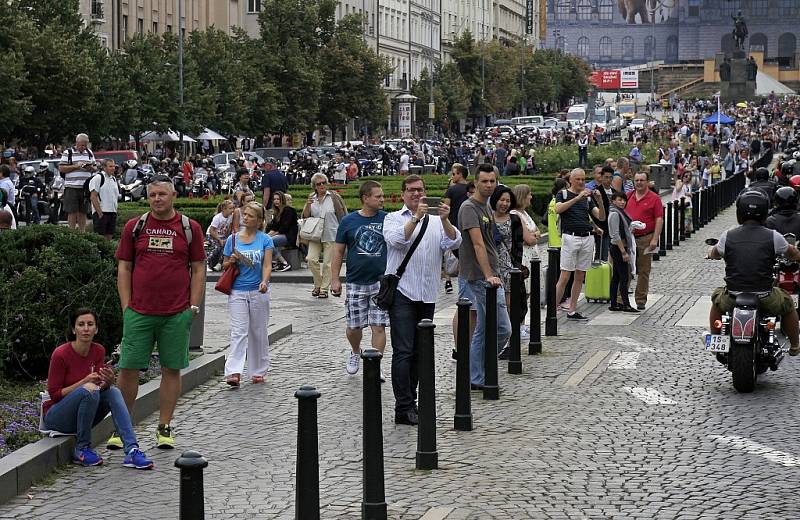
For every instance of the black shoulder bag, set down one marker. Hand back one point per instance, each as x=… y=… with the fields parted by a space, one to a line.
x=385 y=297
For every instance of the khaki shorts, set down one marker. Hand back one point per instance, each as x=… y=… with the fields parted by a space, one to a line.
x=777 y=303
x=577 y=253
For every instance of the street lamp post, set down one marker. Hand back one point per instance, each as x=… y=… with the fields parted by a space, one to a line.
x=180 y=76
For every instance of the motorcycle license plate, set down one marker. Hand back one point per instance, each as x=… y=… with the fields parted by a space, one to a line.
x=717 y=343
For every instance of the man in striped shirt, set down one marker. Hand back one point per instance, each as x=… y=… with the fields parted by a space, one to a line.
x=76 y=166
x=418 y=288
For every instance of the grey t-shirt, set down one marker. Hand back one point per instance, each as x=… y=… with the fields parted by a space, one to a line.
x=781 y=245
x=475 y=215
x=576 y=218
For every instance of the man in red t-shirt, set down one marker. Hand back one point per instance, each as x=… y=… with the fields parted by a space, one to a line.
x=160 y=279
x=646 y=207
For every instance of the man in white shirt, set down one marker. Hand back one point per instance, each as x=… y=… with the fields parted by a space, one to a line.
x=404 y=159
x=418 y=288
x=104 y=196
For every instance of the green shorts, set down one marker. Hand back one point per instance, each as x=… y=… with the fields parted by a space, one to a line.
x=140 y=334
x=777 y=303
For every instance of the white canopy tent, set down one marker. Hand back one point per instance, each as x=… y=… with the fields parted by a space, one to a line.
x=169 y=137
x=210 y=135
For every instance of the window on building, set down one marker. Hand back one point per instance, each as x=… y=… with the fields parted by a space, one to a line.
x=730 y=8
x=605 y=47
x=124 y=27
x=140 y=25
x=758 y=41
x=97 y=9
x=253 y=6
x=759 y=7
x=627 y=48
x=693 y=8
x=649 y=48
x=788 y=7
x=583 y=47
x=155 y=27
x=672 y=48
x=787 y=45
x=584 y=9
x=169 y=28
x=562 y=9
x=606 y=10
x=561 y=44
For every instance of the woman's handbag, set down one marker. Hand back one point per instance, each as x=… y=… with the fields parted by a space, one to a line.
x=450 y=263
x=225 y=282
x=388 y=282
x=311 y=230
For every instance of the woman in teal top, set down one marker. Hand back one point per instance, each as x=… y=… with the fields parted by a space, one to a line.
x=251 y=251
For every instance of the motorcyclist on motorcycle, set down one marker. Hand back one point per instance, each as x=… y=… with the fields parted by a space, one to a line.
x=750 y=251
x=30 y=188
x=45 y=174
x=784 y=217
x=763 y=183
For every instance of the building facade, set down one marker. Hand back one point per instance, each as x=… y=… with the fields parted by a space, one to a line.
x=115 y=21
x=613 y=33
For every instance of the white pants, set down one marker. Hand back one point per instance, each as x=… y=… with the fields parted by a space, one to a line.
x=249 y=340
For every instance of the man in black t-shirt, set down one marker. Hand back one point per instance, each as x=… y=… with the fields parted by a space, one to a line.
x=273 y=180
x=456 y=193
x=574 y=207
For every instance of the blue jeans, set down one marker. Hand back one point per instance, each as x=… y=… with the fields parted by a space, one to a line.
x=403 y=318
x=279 y=241
x=81 y=410
x=477 y=348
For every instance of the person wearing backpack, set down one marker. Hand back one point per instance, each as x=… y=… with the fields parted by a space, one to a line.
x=160 y=278
x=104 y=197
x=77 y=165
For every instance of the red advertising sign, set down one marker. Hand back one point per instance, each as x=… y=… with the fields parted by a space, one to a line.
x=606 y=79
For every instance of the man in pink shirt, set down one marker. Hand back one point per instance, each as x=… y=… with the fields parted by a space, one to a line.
x=646 y=207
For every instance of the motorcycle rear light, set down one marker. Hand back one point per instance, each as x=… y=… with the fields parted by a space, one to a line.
x=770 y=325
x=717 y=324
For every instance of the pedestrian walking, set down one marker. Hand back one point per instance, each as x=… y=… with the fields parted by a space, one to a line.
x=76 y=166
x=329 y=206
x=251 y=251
x=479 y=266
x=415 y=298
x=161 y=279
x=219 y=230
x=646 y=207
x=360 y=235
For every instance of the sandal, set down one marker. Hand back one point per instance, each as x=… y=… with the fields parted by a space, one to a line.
x=315 y=292
x=257 y=379
x=233 y=379
x=323 y=294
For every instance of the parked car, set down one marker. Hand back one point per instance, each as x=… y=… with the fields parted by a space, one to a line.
x=119 y=156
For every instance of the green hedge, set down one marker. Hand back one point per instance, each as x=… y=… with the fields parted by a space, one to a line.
x=48 y=272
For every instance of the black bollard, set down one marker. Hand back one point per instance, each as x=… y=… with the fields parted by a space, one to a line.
x=701 y=213
x=462 y=420
x=427 y=456
x=676 y=223
x=535 y=339
x=662 y=242
x=373 y=504
x=192 y=506
x=491 y=390
x=515 y=313
x=696 y=211
x=553 y=271
x=684 y=232
x=669 y=217
x=306 y=498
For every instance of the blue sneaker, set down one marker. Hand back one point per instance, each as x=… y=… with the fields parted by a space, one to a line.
x=137 y=459
x=86 y=457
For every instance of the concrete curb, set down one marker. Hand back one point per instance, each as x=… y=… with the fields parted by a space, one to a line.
x=20 y=469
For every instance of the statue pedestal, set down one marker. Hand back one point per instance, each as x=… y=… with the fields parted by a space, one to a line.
x=739 y=88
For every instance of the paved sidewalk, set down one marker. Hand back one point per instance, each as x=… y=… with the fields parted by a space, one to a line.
x=611 y=421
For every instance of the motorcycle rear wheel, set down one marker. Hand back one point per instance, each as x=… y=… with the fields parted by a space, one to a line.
x=743 y=367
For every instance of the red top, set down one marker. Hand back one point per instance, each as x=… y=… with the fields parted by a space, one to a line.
x=67 y=367
x=161 y=275
x=646 y=210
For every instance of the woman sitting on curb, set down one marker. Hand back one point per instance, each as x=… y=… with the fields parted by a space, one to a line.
x=82 y=392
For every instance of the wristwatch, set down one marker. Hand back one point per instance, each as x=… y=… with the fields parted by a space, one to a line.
x=414 y=219
x=195 y=310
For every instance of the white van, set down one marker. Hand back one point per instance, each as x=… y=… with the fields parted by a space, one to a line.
x=576 y=115
x=536 y=121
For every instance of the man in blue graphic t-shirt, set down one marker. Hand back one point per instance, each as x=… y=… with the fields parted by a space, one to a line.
x=361 y=233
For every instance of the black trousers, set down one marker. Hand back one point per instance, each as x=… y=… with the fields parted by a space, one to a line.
x=619 y=278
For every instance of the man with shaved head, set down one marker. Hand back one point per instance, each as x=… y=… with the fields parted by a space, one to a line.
x=574 y=205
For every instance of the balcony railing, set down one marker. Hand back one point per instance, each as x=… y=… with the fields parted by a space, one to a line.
x=98 y=14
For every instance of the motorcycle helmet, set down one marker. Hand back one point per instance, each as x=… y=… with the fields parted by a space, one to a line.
x=796 y=155
x=794 y=181
x=762 y=174
x=30 y=171
x=43 y=166
x=131 y=163
x=786 y=198
x=752 y=205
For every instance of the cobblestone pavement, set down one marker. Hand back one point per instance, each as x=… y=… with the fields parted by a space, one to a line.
x=611 y=421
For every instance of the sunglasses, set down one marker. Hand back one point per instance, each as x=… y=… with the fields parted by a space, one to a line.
x=323 y=183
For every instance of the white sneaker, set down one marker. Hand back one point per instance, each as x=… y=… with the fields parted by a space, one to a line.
x=524 y=331
x=382 y=376
x=352 y=363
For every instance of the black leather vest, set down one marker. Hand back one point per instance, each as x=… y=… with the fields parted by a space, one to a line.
x=749 y=258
